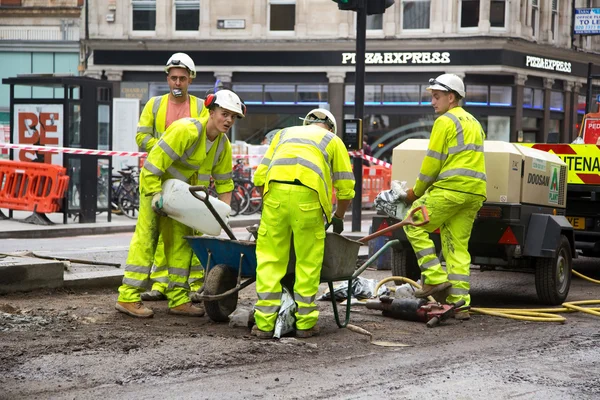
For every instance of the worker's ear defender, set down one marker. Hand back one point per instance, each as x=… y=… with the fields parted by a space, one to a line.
x=209 y=101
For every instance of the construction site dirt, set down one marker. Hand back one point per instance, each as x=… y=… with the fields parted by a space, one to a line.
x=73 y=345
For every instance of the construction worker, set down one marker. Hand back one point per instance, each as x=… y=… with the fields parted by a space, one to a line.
x=158 y=114
x=296 y=177
x=452 y=184
x=191 y=150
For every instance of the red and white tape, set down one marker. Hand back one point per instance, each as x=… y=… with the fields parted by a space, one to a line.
x=92 y=152
x=370 y=159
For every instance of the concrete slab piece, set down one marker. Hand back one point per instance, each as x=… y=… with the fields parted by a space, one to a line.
x=22 y=274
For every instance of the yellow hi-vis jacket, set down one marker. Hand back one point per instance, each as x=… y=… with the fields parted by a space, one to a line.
x=152 y=122
x=181 y=154
x=312 y=155
x=454 y=158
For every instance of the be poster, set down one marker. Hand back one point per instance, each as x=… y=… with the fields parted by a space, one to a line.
x=40 y=125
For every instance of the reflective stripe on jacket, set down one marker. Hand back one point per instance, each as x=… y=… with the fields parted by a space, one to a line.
x=181 y=154
x=152 y=122
x=454 y=158
x=312 y=155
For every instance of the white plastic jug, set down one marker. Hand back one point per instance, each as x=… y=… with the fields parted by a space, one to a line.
x=183 y=207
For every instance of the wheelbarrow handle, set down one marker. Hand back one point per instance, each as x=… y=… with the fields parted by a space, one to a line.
x=206 y=200
x=409 y=220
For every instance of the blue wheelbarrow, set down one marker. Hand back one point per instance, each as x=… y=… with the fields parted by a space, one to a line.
x=230 y=264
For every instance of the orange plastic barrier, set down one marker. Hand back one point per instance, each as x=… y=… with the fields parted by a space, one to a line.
x=375 y=180
x=32 y=186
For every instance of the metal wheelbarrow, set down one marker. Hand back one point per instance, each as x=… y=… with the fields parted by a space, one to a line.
x=230 y=264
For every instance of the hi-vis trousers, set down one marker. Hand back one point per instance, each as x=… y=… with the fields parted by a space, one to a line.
x=289 y=209
x=178 y=256
x=454 y=213
x=160 y=271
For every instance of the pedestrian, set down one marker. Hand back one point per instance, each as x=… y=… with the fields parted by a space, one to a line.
x=296 y=177
x=191 y=150
x=158 y=114
x=452 y=185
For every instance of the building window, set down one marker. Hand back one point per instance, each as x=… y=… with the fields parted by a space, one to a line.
x=416 y=14
x=554 y=21
x=469 y=13
x=312 y=94
x=282 y=15
x=280 y=94
x=557 y=101
x=187 y=15
x=144 y=15
x=498 y=11
x=408 y=95
x=533 y=98
x=500 y=96
x=581 y=103
x=535 y=17
x=477 y=95
x=375 y=22
x=251 y=94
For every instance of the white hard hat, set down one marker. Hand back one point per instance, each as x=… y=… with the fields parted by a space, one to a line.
x=228 y=100
x=181 y=60
x=320 y=115
x=448 y=83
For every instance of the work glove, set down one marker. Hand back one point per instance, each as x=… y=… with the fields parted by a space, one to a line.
x=410 y=197
x=338 y=224
x=157 y=204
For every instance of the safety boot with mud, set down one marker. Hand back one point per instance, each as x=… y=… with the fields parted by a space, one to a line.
x=188 y=309
x=136 y=309
x=153 y=295
x=306 y=333
x=462 y=313
x=261 y=334
x=428 y=290
x=196 y=297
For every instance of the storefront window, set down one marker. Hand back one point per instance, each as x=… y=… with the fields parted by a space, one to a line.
x=312 y=94
x=280 y=94
x=530 y=127
x=195 y=89
x=282 y=15
x=250 y=94
x=144 y=15
x=538 y=99
x=557 y=101
x=469 y=13
x=372 y=94
x=416 y=14
x=500 y=96
x=477 y=95
x=401 y=95
x=187 y=15
x=496 y=128
x=527 y=97
x=581 y=102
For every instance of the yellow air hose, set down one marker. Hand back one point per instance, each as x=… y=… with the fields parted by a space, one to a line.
x=534 y=314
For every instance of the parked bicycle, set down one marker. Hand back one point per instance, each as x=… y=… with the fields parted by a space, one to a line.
x=125 y=196
x=242 y=177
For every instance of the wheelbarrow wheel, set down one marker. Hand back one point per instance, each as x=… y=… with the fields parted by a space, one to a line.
x=220 y=279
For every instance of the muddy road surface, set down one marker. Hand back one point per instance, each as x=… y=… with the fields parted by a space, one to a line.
x=74 y=345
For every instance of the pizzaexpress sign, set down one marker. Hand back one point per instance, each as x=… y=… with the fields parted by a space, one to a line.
x=387 y=58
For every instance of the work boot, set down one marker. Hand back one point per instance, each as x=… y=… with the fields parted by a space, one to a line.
x=153 y=295
x=441 y=296
x=462 y=315
x=306 y=333
x=188 y=309
x=261 y=334
x=428 y=290
x=134 y=309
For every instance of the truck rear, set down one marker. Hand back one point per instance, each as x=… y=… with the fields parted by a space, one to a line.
x=583 y=192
